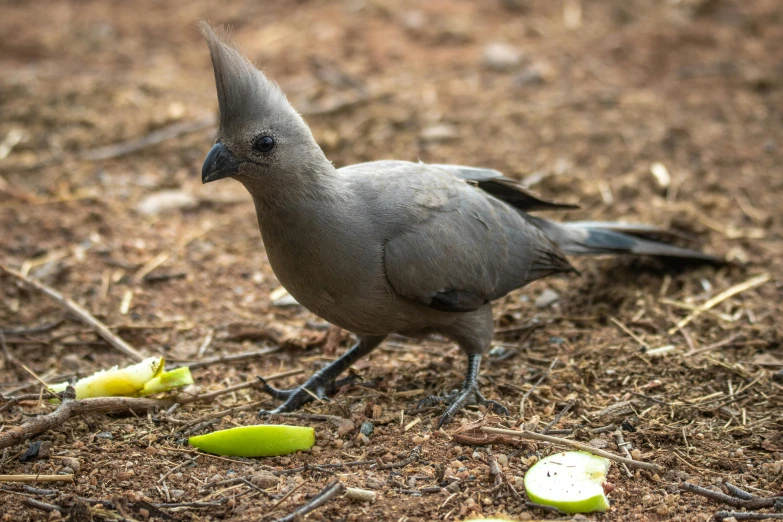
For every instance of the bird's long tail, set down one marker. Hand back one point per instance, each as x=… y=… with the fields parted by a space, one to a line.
x=582 y=238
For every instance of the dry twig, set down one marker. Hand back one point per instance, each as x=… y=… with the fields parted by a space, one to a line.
x=72 y=306
x=733 y=501
x=72 y=408
x=233 y=358
x=527 y=394
x=36 y=478
x=525 y=434
x=153 y=138
x=331 y=490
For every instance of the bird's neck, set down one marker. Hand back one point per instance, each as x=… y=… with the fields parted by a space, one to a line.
x=315 y=182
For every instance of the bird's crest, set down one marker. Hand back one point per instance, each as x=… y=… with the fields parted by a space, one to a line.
x=243 y=91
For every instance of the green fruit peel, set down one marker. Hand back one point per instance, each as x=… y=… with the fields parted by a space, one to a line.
x=263 y=440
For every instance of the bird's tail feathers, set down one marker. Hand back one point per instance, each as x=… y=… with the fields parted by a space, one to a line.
x=599 y=238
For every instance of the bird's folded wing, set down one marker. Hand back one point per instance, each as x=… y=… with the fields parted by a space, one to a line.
x=465 y=249
x=506 y=189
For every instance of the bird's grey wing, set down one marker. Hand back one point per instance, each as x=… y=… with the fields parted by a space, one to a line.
x=506 y=189
x=454 y=247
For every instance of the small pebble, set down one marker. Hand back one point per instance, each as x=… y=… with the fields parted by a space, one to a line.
x=501 y=57
x=547 y=297
x=503 y=459
x=264 y=480
x=636 y=454
x=165 y=200
x=105 y=435
x=367 y=428
x=72 y=463
x=439 y=132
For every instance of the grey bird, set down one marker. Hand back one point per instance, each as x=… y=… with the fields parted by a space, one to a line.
x=390 y=246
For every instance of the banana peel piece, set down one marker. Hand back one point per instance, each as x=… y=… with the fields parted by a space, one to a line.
x=262 y=440
x=166 y=381
x=144 y=378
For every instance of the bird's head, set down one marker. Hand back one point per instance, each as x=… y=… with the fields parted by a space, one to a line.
x=261 y=136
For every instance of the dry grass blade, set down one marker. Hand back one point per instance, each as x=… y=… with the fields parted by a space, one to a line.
x=710 y=303
x=72 y=306
x=36 y=478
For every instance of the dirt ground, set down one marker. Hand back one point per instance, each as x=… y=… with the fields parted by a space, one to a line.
x=582 y=101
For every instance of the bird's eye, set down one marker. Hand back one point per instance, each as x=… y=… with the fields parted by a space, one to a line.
x=264 y=144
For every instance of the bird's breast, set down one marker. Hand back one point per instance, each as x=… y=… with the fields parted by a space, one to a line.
x=332 y=268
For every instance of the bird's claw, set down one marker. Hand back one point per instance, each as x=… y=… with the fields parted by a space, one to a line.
x=466 y=396
x=316 y=387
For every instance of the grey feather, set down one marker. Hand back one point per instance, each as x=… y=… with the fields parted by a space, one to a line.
x=506 y=189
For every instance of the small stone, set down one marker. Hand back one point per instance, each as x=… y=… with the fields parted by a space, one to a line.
x=439 y=132
x=501 y=57
x=284 y=300
x=367 y=428
x=264 y=479
x=599 y=443
x=546 y=298
x=105 y=435
x=177 y=493
x=636 y=454
x=530 y=76
x=414 y=20
x=165 y=200
x=503 y=459
x=72 y=463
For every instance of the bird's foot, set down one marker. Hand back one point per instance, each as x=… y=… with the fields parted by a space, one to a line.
x=317 y=387
x=466 y=396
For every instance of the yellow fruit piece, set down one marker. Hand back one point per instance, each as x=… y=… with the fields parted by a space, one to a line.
x=166 y=381
x=263 y=440
x=571 y=481
x=116 y=381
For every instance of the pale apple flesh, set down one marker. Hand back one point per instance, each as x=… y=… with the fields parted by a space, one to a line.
x=571 y=481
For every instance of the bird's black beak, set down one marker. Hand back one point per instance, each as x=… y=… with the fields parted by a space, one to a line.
x=220 y=163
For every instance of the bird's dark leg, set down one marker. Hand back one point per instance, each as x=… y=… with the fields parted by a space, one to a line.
x=468 y=394
x=323 y=382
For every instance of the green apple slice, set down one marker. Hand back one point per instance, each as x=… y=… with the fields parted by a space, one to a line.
x=571 y=481
x=116 y=381
x=263 y=440
x=166 y=381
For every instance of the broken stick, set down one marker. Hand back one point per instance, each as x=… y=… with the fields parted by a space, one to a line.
x=531 y=435
x=75 y=308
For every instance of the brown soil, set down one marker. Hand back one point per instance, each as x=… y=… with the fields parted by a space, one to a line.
x=696 y=85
